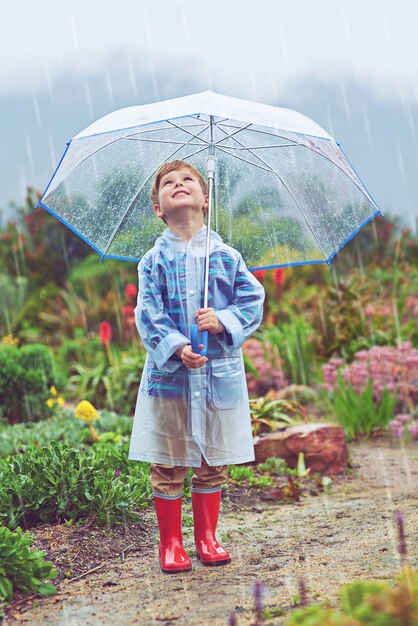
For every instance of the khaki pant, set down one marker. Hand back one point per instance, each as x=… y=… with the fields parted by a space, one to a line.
x=169 y=479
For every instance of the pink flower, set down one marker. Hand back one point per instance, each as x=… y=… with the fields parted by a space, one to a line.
x=105 y=332
x=413 y=430
x=403 y=418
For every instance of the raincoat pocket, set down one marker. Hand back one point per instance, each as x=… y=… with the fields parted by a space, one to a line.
x=167 y=385
x=226 y=383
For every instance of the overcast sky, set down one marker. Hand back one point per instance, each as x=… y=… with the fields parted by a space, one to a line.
x=55 y=53
x=251 y=46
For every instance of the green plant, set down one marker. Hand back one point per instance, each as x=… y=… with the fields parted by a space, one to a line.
x=239 y=473
x=357 y=412
x=269 y=414
x=57 y=483
x=111 y=386
x=64 y=427
x=13 y=292
x=293 y=342
x=22 y=568
x=276 y=466
x=80 y=348
x=366 y=603
x=26 y=375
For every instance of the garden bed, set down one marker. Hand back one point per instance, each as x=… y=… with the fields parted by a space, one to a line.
x=348 y=532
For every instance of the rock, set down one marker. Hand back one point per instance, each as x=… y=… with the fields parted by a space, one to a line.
x=323 y=446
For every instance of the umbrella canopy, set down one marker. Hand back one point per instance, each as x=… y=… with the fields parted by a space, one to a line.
x=284 y=193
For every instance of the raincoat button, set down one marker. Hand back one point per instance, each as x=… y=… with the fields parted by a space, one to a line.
x=191 y=291
x=197 y=394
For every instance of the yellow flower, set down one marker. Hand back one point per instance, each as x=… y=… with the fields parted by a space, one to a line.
x=86 y=411
x=9 y=340
x=60 y=401
x=53 y=391
x=50 y=402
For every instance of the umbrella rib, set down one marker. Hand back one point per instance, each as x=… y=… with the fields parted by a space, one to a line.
x=156 y=130
x=290 y=193
x=282 y=145
x=139 y=191
x=225 y=149
x=249 y=149
x=161 y=141
x=189 y=133
x=264 y=132
x=231 y=134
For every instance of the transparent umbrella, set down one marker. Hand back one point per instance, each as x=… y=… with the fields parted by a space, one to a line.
x=281 y=190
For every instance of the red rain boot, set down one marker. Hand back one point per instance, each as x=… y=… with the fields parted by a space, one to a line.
x=173 y=557
x=205 y=514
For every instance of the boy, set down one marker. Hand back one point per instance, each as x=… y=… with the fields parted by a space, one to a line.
x=191 y=410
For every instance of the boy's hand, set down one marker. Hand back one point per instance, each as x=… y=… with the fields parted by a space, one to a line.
x=191 y=359
x=207 y=320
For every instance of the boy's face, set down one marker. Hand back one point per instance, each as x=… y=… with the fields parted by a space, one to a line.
x=180 y=193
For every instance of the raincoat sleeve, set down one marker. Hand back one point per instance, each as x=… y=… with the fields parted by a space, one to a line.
x=244 y=315
x=158 y=332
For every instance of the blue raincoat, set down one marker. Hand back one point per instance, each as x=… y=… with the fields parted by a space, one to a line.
x=182 y=413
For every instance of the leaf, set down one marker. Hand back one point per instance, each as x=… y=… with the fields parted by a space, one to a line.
x=47 y=589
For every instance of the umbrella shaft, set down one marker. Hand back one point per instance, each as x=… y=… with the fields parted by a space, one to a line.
x=207 y=253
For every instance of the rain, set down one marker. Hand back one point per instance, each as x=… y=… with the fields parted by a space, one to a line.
x=325 y=219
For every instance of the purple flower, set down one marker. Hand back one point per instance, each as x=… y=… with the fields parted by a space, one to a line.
x=117 y=472
x=258 y=591
x=302 y=593
x=232 y=621
x=400 y=519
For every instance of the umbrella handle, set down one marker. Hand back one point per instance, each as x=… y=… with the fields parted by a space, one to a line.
x=194 y=337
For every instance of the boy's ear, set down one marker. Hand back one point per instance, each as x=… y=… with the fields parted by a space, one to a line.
x=205 y=205
x=158 y=211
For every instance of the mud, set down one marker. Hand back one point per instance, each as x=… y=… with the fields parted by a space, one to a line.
x=327 y=539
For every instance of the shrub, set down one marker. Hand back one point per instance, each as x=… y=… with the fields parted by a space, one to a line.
x=56 y=483
x=62 y=427
x=22 y=568
x=26 y=375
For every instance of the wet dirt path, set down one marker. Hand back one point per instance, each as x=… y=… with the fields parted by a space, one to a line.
x=327 y=540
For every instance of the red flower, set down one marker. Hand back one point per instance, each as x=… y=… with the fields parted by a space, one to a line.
x=127 y=310
x=260 y=274
x=279 y=276
x=105 y=332
x=131 y=291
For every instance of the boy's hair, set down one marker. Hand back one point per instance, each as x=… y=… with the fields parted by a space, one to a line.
x=171 y=166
